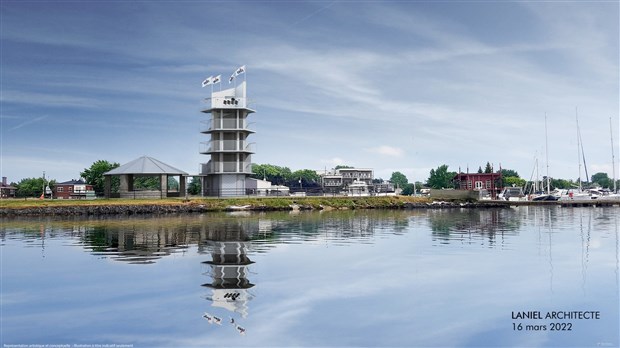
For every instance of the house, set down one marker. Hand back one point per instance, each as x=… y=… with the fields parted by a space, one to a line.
x=6 y=190
x=479 y=181
x=74 y=189
x=340 y=179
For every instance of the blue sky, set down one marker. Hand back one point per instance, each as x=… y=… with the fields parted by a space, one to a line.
x=394 y=86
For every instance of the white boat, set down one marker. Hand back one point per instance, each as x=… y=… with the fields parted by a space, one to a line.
x=512 y=194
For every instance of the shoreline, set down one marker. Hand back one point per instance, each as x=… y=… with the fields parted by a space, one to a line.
x=15 y=208
x=100 y=207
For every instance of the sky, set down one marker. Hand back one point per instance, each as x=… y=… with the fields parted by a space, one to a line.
x=393 y=86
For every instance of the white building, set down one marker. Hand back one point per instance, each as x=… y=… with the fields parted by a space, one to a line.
x=257 y=187
x=341 y=179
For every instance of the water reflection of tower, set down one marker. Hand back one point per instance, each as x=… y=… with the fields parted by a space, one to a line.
x=229 y=285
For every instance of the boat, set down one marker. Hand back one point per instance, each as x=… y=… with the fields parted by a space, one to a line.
x=578 y=194
x=512 y=194
x=541 y=196
x=545 y=197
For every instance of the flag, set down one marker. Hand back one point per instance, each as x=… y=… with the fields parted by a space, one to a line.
x=207 y=81
x=217 y=79
x=240 y=70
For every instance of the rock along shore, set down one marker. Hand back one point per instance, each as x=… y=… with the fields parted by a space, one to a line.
x=180 y=208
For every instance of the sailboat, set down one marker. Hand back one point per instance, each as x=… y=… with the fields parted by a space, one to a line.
x=546 y=196
x=579 y=194
x=613 y=195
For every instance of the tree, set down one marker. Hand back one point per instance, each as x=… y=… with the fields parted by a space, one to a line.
x=195 y=186
x=151 y=183
x=513 y=181
x=479 y=170
x=508 y=172
x=603 y=180
x=173 y=183
x=275 y=174
x=408 y=190
x=488 y=169
x=308 y=177
x=399 y=180
x=94 y=174
x=562 y=184
x=441 y=178
x=30 y=187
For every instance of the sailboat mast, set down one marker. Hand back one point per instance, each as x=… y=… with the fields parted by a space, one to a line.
x=613 y=157
x=547 y=156
x=578 y=148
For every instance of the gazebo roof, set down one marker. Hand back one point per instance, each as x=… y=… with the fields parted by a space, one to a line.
x=145 y=165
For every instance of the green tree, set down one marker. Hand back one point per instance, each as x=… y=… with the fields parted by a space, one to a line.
x=275 y=174
x=603 y=180
x=441 y=178
x=308 y=177
x=408 y=190
x=509 y=172
x=173 y=183
x=488 y=169
x=32 y=187
x=399 y=180
x=94 y=174
x=562 y=184
x=151 y=183
x=513 y=181
x=195 y=186
x=479 y=170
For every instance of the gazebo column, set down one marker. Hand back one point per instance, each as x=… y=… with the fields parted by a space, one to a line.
x=182 y=179
x=107 y=186
x=124 y=184
x=164 y=185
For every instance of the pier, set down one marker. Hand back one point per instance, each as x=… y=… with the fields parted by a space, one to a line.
x=563 y=203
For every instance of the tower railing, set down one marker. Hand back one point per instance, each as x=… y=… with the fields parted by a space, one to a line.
x=225 y=146
x=226 y=167
x=226 y=124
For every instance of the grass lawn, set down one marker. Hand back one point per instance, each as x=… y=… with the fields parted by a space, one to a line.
x=222 y=203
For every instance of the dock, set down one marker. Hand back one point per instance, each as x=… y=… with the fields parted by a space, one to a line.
x=563 y=203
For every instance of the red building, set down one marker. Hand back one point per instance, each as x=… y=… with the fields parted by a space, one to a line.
x=480 y=181
x=6 y=190
x=73 y=189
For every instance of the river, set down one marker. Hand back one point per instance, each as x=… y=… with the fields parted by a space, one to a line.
x=526 y=277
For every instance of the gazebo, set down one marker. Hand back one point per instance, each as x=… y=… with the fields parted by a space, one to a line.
x=144 y=167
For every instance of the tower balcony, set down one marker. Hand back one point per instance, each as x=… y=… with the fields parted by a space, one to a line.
x=213 y=125
x=208 y=147
x=212 y=167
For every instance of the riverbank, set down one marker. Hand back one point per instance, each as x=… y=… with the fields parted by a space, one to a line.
x=16 y=207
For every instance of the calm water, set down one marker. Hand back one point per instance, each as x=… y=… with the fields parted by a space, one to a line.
x=353 y=278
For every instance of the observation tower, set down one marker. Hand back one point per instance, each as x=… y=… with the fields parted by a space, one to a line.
x=224 y=175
